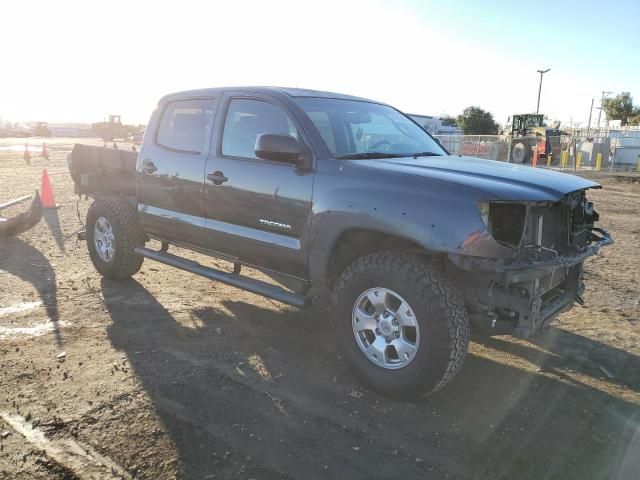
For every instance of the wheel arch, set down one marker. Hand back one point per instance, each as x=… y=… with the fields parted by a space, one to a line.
x=353 y=243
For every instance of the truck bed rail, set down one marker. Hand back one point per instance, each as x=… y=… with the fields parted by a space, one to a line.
x=100 y=169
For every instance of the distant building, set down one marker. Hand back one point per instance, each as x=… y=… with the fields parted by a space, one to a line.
x=65 y=129
x=70 y=130
x=434 y=125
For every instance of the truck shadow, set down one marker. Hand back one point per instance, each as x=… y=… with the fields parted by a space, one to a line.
x=559 y=350
x=31 y=265
x=242 y=386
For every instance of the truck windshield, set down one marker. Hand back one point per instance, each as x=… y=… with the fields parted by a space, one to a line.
x=357 y=129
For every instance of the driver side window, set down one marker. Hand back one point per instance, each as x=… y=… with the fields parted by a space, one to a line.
x=246 y=119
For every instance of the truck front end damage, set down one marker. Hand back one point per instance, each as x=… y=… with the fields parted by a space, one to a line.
x=530 y=269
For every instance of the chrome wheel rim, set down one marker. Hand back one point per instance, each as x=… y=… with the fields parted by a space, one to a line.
x=385 y=328
x=103 y=239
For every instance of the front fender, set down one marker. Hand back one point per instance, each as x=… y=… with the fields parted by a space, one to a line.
x=438 y=216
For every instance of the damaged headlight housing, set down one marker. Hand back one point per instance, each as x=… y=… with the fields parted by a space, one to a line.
x=505 y=221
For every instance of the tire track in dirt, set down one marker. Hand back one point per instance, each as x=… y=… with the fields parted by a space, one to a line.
x=78 y=458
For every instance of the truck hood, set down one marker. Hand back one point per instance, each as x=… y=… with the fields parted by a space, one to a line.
x=498 y=180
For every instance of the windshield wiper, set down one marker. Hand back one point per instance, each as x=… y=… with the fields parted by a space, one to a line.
x=364 y=155
x=426 y=154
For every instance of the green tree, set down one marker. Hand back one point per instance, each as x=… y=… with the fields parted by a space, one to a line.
x=619 y=107
x=635 y=119
x=476 y=121
x=448 y=121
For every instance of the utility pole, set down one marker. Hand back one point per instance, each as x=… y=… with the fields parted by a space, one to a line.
x=600 y=112
x=590 y=112
x=541 y=72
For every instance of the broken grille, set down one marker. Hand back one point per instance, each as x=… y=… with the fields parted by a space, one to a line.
x=553 y=228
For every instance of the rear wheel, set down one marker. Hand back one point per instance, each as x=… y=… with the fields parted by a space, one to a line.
x=112 y=235
x=400 y=325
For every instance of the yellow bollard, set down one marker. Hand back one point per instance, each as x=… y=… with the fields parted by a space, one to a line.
x=579 y=161
x=598 y=162
x=638 y=167
x=549 y=158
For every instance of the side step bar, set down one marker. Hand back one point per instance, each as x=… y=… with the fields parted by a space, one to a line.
x=245 y=283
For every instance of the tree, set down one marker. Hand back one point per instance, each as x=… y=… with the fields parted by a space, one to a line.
x=620 y=107
x=448 y=121
x=475 y=121
x=635 y=120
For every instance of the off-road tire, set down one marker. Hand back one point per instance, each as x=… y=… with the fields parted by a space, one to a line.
x=122 y=216
x=522 y=158
x=439 y=310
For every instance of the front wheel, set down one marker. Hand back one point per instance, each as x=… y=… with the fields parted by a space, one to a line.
x=400 y=325
x=113 y=233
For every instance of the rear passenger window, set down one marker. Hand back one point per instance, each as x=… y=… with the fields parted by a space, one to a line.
x=246 y=119
x=185 y=124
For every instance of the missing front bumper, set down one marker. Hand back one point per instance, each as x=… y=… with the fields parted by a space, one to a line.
x=527 y=307
x=521 y=296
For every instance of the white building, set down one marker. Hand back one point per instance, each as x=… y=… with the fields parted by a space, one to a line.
x=434 y=125
x=70 y=130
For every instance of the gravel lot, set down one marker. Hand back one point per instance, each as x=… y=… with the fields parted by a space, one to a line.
x=168 y=375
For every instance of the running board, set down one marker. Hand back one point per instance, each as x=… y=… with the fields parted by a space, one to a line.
x=245 y=283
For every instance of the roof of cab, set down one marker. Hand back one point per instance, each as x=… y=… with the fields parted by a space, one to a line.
x=276 y=91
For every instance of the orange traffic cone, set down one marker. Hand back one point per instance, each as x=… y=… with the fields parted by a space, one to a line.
x=46 y=192
x=45 y=154
x=27 y=155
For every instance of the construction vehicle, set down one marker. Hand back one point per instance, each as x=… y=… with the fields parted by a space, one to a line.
x=109 y=131
x=41 y=129
x=527 y=133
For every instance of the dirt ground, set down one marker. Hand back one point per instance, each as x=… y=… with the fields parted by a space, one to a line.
x=169 y=375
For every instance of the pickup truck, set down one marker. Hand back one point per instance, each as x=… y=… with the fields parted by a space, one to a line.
x=348 y=203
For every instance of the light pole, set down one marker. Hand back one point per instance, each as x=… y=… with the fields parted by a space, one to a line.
x=600 y=109
x=541 y=72
x=590 y=112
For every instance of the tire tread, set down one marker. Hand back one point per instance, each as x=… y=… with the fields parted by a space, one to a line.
x=430 y=281
x=126 y=261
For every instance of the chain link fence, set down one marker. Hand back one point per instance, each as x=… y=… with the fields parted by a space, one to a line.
x=617 y=151
x=482 y=146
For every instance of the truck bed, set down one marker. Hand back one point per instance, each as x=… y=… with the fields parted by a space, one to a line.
x=102 y=170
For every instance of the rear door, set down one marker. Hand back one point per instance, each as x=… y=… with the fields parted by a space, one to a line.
x=258 y=211
x=170 y=170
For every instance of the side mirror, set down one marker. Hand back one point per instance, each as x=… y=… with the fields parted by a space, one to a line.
x=281 y=148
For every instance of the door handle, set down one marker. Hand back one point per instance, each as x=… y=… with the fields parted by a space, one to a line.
x=217 y=177
x=148 y=166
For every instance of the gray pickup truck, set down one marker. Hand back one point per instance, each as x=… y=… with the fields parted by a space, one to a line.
x=349 y=203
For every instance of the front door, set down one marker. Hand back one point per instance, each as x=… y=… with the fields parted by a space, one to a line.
x=258 y=211
x=170 y=170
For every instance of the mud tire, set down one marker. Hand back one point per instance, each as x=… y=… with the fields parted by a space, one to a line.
x=128 y=235
x=440 y=312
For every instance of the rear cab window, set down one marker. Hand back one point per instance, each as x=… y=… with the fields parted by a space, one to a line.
x=185 y=125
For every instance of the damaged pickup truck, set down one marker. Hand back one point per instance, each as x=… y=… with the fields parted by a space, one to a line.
x=346 y=202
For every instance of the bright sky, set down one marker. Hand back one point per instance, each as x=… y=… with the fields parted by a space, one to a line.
x=69 y=60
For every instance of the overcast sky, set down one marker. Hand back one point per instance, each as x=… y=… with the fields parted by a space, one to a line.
x=82 y=60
